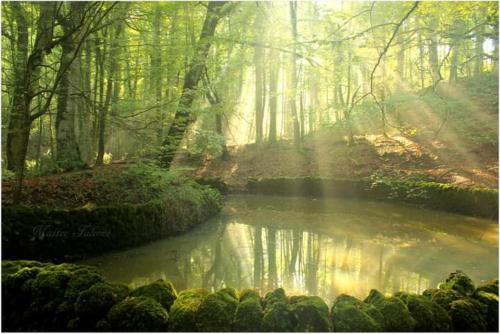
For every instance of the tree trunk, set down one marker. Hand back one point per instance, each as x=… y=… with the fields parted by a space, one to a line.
x=111 y=81
x=273 y=94
x=183 y=116
x=27 y=70
x=68 y=95
x=259 y=54
x=293 y=76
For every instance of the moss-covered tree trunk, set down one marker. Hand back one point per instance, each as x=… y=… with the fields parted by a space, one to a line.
x=183 y=115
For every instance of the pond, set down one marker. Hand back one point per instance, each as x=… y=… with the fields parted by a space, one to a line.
x=321 y=247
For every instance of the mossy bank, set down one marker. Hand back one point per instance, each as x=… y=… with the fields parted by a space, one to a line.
x=469 y=201
x=66 y=297
x=80 y=219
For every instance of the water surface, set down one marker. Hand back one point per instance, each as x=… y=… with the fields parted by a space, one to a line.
x=321 y=247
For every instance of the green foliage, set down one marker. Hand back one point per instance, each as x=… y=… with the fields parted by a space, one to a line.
x=138 y=314
x=206 y=144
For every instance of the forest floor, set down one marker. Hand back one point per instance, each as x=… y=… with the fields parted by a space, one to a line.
x=392 y=156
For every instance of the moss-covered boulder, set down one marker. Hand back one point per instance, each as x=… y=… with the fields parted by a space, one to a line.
x=490 y=300
x=374 y=296
x=397 y=317
x=460 y=282
x=216 y=311
x=94 y=303
x=491 y=287
x=310 y=314
x=161 y=291
x=138 y=314
x=249 y=313
x=183 y=311
x=81 y=280
x=277 y=314
x=442 y=297
x=429 y=316
x=350 y=314
x=468 y=315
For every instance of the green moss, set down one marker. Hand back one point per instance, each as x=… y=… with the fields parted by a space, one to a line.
x=470 y=201
x=374 y=296
x=216 y=311
x=350 y=314
x=277 y=318
x=491 y=287
x=249 y=313
x=429 y=316
x=161 y=291
x=93 y=303
x=138 y=314
x=459 y=282
x=443 y=298
x=183 y=311
x=468 y=315
x=276 y=296
x=397 y=317
x=490 y=300
x=81 y=280
x=310 y=314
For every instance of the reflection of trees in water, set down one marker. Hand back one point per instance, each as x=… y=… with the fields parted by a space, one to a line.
x=300 y=261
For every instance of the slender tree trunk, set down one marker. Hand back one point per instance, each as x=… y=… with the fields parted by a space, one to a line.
x=259 y=54
x=183 y=116
x=478 y=46
x=111 y=81
x=273 y=94
x=293 y=76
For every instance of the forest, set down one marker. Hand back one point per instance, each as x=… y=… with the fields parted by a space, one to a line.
x=249 y=166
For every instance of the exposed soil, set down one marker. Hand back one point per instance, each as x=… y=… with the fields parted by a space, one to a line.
x=394 y=156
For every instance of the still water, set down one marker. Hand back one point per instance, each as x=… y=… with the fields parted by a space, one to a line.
x=321 y=247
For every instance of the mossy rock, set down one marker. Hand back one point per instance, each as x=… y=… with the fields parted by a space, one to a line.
x=460 y=282
x=276 y=296
x=443 y=298
x=310 y=314
x=277 y=318
x=249 y=313
x=397 y=317
x=216 y=311
x=468 y=315
x=429 y=316
x=138 y=314
x=94 y=303
x=11 y=267
x=161 y=291
x=490 y=300
x=81 y=280
x=350 y=314
x=374 y=296
x=491 y=287
x=183 y=311
x=49 y=284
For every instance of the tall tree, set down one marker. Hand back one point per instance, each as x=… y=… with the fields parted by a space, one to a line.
x=292 y=100
x=183 y=115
